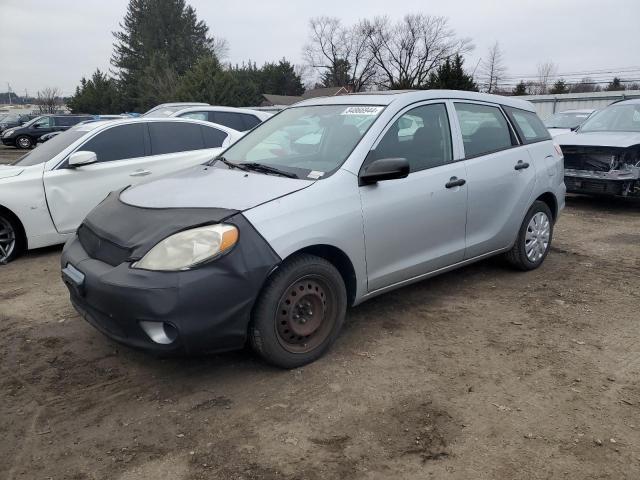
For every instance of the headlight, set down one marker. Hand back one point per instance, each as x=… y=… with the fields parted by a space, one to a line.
x=7 y=133
x=184 y=250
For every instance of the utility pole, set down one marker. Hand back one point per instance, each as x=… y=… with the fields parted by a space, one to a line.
x=9 y=91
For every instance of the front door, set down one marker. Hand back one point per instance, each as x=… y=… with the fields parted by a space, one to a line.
x=415 y=225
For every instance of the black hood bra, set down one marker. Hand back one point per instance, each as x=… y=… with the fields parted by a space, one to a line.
x=115 y=231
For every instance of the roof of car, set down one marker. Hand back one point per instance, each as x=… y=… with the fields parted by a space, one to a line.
x=410 y=96
x=631 y=101
x=87 y=127
x=220 y=108
x=578 y=110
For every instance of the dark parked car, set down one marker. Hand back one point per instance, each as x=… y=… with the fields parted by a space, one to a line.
x=27 y=135
x=11 y=120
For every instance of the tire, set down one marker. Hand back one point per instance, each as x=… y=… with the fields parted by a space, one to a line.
x=534 y=238
x=24 y=142
x=11 y=244
x=299 y=313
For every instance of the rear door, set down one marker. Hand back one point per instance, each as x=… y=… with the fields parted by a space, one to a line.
x=500 y=177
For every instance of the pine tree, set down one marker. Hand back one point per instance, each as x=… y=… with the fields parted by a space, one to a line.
x=451 y=75
x=156 y=34
x=337 y=75
x=98 y=95
x=615 y=85
x=520 y=88
x=280 y=79
x=559 y=87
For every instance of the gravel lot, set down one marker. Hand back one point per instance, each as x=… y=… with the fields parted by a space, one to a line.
x=483 y=373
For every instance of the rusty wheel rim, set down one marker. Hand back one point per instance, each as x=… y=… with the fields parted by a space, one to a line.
x=306 y=314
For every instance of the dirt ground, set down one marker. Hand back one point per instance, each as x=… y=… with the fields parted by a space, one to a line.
x=483 y=373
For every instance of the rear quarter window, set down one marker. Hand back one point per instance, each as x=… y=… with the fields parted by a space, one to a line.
x=530 y=128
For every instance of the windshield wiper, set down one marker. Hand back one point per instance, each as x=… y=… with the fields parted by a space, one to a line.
x=259 y=167
x=227 y=163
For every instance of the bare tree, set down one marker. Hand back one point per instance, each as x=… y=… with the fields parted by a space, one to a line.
x=407 y=51
x=340 y=53
x=220 y=48
x=48 y=100
x=492 y=69
x=546 y=72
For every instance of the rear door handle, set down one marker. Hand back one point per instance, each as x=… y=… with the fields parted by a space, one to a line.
x=521 y=165
x=455 y=182
x=140 y=173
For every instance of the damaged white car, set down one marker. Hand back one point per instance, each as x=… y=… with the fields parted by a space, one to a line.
x=603 y=156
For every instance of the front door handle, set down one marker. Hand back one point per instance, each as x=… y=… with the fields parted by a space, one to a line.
x=521 y=165
x=455 y=182
x=140 y=173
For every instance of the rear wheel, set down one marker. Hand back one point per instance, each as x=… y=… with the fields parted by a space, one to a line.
x=24 y=142
x=534 y=238
x=300 y=312
x=10 y=244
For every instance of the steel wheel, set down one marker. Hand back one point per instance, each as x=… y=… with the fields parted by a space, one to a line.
x=537 y=236
x=305 y=314
x=7 y=240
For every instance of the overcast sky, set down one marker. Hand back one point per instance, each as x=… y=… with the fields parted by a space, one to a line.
x=44 y=43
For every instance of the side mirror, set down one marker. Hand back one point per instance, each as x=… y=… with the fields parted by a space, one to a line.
x=384 y=169
x=82 y=157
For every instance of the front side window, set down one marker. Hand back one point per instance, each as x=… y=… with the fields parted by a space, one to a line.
x=70 y=121
x=172 y=137
x=306 y=141
x=250 y=121
x=117 y=143
x=422 y=136
x=44 y=122
x=484 y=129
x=615 y=118
x=529 y=126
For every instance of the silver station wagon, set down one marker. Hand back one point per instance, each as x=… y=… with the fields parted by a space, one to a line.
x=327 y=204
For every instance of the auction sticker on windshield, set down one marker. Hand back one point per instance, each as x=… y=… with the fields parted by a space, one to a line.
x=362 y=110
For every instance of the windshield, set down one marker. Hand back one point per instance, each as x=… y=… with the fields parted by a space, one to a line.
x=309 y=142
x=615 y=118
x=566 y=120
x=50 y=148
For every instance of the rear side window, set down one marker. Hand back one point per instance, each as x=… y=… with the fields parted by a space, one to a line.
x=228 y=119
x=529 y=126
x=484 y=129
x=171 y=137
x=213 y=138
x=195 y=115
x=117 y=143
x=250 y=121
x=70 y=121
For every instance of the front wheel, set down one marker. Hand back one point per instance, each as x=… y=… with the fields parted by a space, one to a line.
x=534 y=238
x=24 y=142
x=299 y=313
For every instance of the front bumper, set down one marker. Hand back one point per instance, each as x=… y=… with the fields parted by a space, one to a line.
x=614 y=182
x=208 y=307
x=9 y=141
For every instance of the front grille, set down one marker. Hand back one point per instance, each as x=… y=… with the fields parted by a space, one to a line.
x=577 y=185
x=598 y=159
x=102 y=249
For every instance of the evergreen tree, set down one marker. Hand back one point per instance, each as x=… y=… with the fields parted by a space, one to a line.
x=199 y=84
x=559 y=87
x=154 y=28
x=520 y=88
x=337 y=75
x=280 y=79
x=615 y=85
x=451 y=75
x=98 y=95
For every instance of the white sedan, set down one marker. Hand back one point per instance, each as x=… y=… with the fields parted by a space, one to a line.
x=46 y=194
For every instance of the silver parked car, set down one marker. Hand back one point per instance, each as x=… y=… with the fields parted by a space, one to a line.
x=272 y=240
